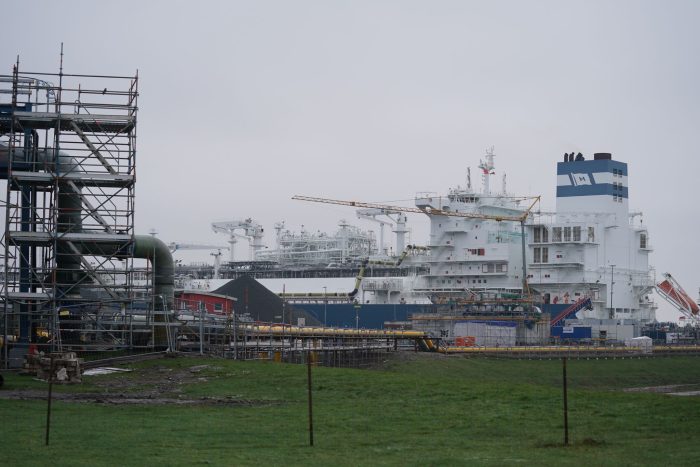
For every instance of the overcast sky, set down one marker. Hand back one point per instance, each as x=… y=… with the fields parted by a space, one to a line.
x=244 y=104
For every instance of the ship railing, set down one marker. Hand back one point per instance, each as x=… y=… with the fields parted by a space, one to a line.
x=382 y=284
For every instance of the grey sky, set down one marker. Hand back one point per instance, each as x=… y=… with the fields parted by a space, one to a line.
x=244 y=104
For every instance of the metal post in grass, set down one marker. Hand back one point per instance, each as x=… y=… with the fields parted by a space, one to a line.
x=201 y=328
x=308 y=381
x=48 y=407
x=235 y=336
x=566 y=404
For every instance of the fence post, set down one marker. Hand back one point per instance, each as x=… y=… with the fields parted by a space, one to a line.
x=566 y=403
x=308 y=380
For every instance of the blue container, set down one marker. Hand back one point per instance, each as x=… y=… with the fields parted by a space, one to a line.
x=571 y=332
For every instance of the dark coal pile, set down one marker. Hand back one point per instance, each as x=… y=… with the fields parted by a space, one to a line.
x=260 y=303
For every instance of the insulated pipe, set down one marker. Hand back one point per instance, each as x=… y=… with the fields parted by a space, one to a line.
x=158 y=253
x=69 y=208
x=279 y=330
x=70 y=220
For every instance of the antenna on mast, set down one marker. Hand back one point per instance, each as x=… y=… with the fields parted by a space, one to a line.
x=487 y=169
x=469 y=178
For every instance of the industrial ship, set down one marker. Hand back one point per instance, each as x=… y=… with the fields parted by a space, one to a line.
x=492 y=258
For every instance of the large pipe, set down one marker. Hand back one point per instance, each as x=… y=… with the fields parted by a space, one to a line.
x=68 y=267
x=158 y=253
x=70 y=207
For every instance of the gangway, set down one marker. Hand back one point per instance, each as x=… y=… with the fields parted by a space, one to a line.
x=672 y=291
x=574 y=308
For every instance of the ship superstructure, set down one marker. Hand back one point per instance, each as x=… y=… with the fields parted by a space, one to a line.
x=474 y=254
x=593 y=246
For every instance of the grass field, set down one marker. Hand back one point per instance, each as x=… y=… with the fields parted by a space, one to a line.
x=416 y=409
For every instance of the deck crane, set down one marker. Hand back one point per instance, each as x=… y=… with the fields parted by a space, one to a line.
x=176 y=246
x=672 y=291
x=372 y=214
x=251 y=230
x=432 y=211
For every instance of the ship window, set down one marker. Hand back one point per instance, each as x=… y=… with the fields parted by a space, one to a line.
x=545 y=255
x=577 y=233
x=642 y=240
x=218 y=306
x=537 y=255
x=567 y=234
x=591 y=234
x=556 y=234
x=541 y=235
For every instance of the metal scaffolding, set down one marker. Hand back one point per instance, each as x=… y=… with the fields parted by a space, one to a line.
x=68 y=153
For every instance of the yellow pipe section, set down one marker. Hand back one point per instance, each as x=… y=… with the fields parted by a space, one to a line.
x=551 y=349
x=310 y=331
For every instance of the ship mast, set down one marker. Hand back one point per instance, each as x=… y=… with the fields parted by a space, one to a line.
x=487 y=169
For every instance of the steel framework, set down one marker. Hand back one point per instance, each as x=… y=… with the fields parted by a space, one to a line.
x=68 y=155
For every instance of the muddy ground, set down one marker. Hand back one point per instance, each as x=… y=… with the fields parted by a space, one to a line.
x=671 y=389
x=158 y=385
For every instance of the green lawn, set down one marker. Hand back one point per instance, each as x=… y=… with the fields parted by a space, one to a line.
x=422 y=410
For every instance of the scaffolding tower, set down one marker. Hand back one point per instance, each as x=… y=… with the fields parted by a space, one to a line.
x=67 y=153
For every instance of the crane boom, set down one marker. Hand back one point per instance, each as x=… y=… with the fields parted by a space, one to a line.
x=428 y=210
